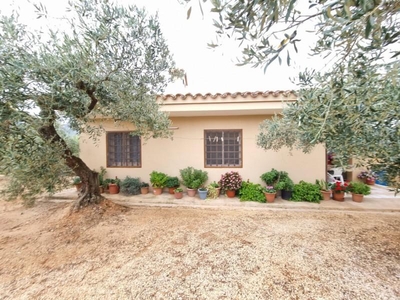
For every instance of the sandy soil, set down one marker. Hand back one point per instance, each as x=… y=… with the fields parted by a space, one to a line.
x=111 y=252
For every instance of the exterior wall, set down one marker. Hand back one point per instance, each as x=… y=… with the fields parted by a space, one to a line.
x=187 y=149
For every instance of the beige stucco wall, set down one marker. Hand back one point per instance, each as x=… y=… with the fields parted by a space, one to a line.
x=187 y=149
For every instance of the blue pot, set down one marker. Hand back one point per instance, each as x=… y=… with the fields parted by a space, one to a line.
x=203 y=194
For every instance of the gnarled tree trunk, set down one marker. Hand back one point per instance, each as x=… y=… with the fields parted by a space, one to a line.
x=89 y=193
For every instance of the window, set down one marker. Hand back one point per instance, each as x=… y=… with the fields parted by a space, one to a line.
x=223 y=148
x=123 y=150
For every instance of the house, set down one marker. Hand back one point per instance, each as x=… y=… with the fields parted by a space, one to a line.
x=213 y=132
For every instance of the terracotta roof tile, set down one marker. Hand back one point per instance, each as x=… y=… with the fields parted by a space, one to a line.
x=226 y=95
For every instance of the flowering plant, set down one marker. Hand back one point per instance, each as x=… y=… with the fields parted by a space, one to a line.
x=231 y=181
x=270 y=189
x=339 y=187
x=367 y=175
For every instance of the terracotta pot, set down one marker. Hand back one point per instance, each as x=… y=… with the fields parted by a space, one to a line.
x=370 y=181
x=338 y=196
x=191 y=192
x=326 y=195
x=78 y=186
x=230 y=193
x=113 y=188
x=178 y=195
x=270 y=197
x=357 y=197
x=101 y=188
x=157 y=191
x=171 y=190
x=218 y=191
x=144 y=190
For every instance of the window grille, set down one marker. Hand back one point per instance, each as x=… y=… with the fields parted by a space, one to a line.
x=223 y=148
x=123 y=150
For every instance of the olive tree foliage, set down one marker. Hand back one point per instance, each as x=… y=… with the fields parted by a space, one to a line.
x=100 y=60
x=353 y=105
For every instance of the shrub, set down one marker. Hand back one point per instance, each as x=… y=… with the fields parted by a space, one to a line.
x=158 y=179
x=359 y=188
x=270 y=177
x=172 y=182
x=144 y=184
x=231 y=181
x=193 y=178
x=251 y=192
x=212 y=191
x=130 y=186
x=304 y=191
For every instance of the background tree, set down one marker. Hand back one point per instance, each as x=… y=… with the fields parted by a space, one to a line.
x=353 y=106
x=103 y=59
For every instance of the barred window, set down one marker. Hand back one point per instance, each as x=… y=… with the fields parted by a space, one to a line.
x=223 y=148
x=123 y=150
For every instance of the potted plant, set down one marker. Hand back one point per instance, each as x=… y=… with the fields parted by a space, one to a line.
x=113 y=186
x=287 y=187
x=338 y=190
x=358 y=190
x=215 y=186
x=102 y=184
x=230 y=182
x=178 y=193
x=77 y=182
x=158 y=180
x=325 y=188
x=213 y=190
x=270 y=194
x=368 y=176
x=130 y=186
x=144 y=188
x=203 y=193
x=172 y=183
x=193 y=179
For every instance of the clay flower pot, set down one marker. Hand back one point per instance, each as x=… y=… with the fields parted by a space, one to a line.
x=191 y=192
x=370 y=181
x=144 y=190
x=113 y=188
x=157 y=191
x=178 y=195
x=230 y=193
x=357 y=197
x=270 y=197
x=338 y=196
x=326 y=195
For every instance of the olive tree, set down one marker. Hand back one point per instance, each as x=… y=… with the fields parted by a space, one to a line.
x=101 y=59
x=352 y=105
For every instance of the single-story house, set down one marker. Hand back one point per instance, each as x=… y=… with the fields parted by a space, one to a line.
x=213 y=132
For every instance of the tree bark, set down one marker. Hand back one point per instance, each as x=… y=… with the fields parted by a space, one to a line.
x=89 y=193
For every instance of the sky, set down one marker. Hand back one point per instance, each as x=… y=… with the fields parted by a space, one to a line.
x=208 y=70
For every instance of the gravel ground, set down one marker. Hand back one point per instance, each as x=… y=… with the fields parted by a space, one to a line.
x=110 y=252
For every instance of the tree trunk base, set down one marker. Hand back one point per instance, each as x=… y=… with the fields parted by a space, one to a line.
x=86 y=199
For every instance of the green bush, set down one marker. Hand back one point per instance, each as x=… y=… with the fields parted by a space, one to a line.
x=304 y=191
x=251 y=192
x=172 y=182
x=359 y=188
x=193 y=178
x=270 y=177
x=158 y=179
x=130 y=186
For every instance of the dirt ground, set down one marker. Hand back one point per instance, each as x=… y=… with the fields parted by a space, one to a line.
x=112 y=252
